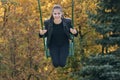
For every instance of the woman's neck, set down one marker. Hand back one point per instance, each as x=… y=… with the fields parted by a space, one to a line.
x=57 y=21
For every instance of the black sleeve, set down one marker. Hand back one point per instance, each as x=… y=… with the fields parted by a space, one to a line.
x=69 y=23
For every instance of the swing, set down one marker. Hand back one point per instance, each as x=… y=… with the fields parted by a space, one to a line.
x=71 y=43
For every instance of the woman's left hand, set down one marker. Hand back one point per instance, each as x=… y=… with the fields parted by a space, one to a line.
x=73 y=31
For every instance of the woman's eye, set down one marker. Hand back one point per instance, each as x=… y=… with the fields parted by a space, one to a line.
x=54 y=13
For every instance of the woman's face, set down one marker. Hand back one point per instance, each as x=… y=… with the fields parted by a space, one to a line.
x=57 y=14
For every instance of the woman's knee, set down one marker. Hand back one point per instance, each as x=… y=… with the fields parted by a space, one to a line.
x=62 y=64
x=55 y=65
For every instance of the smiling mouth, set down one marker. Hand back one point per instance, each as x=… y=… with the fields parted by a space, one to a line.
x=57 y=17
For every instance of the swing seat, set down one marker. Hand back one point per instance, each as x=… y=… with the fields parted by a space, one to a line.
x=71 y=48
x=47 y=53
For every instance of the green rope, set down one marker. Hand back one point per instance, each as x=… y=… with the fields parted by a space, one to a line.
x=40 y=13
x=72 y=13
x=72 y=42
x=41 y=22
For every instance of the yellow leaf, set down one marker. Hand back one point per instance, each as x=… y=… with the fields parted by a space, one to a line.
x=1 y=11
x=19 y=10
x=108 y=10
x=46 y=68
x=1 y=40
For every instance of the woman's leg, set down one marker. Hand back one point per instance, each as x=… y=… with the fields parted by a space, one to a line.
x=64 y=52
x=54 y=55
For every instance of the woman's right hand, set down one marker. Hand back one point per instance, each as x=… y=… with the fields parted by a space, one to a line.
x=42 y=32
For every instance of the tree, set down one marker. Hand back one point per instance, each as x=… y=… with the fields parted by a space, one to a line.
x=101 y=67
x=106 y=21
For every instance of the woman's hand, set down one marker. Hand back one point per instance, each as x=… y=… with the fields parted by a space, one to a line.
x=73 y=31
x=42 y=32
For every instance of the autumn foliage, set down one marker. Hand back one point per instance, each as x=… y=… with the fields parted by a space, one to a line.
x=22 y=51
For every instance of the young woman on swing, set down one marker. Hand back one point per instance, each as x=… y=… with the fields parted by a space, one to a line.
x=58 y=30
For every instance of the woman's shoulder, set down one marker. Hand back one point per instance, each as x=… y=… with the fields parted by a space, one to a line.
x=67 y=19
x=47 y=21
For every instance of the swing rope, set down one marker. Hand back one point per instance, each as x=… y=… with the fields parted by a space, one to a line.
x=72 y=42
x=41 y=22
x=71 y=49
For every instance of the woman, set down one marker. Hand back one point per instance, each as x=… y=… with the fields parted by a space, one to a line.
x=58 y=30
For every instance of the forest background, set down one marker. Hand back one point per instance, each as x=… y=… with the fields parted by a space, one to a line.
x=22 y=51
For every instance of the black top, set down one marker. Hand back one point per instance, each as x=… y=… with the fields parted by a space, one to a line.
x=66 y=24
x=58 y=37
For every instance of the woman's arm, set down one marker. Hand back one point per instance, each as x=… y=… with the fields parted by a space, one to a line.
x=43 y=33
x=72 y=30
